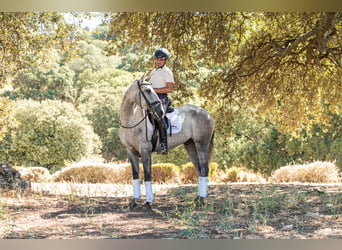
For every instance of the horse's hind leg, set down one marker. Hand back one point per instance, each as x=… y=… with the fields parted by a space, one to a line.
x=191 y=149
x=199 y=157
x=203 y=166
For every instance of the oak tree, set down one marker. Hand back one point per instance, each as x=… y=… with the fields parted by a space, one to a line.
x=285 y=65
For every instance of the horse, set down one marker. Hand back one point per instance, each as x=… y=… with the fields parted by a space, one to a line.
x=197 y=135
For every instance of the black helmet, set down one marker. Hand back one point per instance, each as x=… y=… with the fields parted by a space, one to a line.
x=162 y=53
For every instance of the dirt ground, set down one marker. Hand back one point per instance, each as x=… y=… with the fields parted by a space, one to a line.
x=232 y=211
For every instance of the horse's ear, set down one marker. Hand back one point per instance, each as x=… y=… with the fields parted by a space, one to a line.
x=143 y=78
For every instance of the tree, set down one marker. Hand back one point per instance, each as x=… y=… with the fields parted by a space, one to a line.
x=39 y=83
x=101 y=106
x=49 y=134
x=28 y=38
x=89 y=64
x=286 y=65
x=7 y=122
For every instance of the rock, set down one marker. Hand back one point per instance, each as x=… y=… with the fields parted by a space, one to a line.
x=60 y=204
x=11 y=179
x=287 y=228
x=313 y=215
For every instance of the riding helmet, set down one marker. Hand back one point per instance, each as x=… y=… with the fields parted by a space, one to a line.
x=162 y=53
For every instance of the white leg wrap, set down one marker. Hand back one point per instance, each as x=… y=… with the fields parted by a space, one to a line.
x=202 y=186
x=149 y=192
x=136 y=189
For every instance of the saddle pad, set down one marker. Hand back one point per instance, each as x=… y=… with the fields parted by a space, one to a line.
x=175 y=122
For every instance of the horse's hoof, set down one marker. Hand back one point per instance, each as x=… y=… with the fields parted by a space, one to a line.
x=133 y=204
x=199 y=201
x=147 y=206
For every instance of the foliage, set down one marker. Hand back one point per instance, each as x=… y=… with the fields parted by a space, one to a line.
x=231 y=174
x=27 y=39
x=7 y=122
x=40 y=83
x=90 y=81
x=102 y=109
x=176 y=155
x=257 y=145
x=258 y=74
x=66 y=81
x=188 y=173
x=320 y=142
x=49 y=134
x=288 y=70
x=91 y=55
x=134 y=59
x=165 y=173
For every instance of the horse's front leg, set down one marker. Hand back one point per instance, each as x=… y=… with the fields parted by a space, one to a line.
x=147 y=164
x=134 y=159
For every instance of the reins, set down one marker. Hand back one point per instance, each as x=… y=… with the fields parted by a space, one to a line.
x=136 y=125
x=149 y=104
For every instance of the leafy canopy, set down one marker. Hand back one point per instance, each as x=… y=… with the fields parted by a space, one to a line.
x=28 y=38
x=285 y=65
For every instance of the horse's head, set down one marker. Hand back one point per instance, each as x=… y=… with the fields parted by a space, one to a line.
x=150 y=100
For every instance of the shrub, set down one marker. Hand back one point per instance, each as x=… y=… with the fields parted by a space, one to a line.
x=316 y=172
x=165 y=173
x=102 y=110
x=91 y=172
x=231 y=175
x=88 y=172
x=259 y=146
x=214 y=172
x=189 y=173
x=40 y=83
x=239 y=174
x=49 y=134
x=177 y=156
x=250 y=177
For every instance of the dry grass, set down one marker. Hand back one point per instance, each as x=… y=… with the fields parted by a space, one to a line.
x=88 y=172
x=167 y=173
x=34 y=174
x=188 y=174
x=316 y=172
x=92 y=172
x=241 y=175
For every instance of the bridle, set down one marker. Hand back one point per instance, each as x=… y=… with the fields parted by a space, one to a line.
x=152 y=106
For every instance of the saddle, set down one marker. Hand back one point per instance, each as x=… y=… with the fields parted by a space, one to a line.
x=171 y=117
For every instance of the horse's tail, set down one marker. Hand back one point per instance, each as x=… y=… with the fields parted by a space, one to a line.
x=211 y=147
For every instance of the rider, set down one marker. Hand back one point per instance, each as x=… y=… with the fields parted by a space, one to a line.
x=162 y=81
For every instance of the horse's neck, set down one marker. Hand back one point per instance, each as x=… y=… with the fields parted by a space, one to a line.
x=130 y=112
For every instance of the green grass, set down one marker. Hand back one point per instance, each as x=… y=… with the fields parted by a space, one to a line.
x=247 y=212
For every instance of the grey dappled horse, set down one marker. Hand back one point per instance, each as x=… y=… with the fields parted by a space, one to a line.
x=197 y=136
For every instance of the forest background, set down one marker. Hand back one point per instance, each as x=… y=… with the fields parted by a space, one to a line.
x=272 y=81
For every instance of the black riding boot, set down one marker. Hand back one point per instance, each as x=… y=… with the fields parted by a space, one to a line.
x=162 y=137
